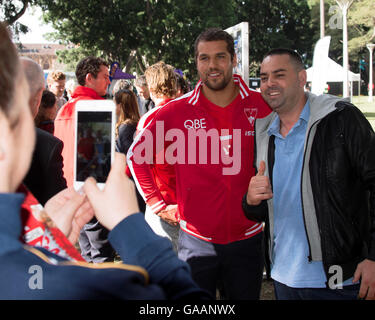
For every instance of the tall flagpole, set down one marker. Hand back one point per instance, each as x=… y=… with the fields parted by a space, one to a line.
x=344 y=5
x=370 y=47
x=322 y=23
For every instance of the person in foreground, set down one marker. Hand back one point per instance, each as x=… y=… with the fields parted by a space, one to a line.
x=153 y=270
x=314 y=187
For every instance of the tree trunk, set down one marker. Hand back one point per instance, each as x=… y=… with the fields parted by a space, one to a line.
x=19 y=14
x=141 y=65
x=130 y=62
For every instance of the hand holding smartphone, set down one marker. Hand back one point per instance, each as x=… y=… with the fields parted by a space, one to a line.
x=118 y=200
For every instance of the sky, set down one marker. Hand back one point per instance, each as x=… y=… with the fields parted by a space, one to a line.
x=33 y=19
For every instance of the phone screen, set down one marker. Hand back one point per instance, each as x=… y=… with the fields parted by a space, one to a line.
x=93 y=145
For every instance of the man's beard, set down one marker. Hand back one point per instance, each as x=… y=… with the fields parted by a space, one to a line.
x=272 y=102
x=218 y=85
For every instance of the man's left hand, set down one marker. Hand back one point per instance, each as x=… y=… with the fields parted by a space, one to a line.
x=366 y=272
x=70 y=211
x=169 y=214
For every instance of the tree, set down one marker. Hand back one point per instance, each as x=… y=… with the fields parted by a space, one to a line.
x=146 y=31
x=11 y=11
x=362 y=20
x=279 y=23
x=71 y=56
x=361 y=28
x=150 y=30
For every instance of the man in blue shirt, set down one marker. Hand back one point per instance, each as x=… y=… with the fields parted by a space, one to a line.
x=291 y=266
x=314 y=187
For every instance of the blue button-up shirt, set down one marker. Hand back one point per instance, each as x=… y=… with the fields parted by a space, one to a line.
x=290 y=247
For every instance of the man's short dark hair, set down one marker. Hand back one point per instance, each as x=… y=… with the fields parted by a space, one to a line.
x=294 y=56
x=215 y=34
x=89 y=65
x=48 y=99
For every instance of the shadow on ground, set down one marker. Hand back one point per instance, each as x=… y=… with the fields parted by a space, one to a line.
x=267 y=292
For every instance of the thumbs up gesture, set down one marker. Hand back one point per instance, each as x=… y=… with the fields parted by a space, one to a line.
x=259 y=187
x=261 y=169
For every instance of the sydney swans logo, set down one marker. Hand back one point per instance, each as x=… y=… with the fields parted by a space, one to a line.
x=251 y=114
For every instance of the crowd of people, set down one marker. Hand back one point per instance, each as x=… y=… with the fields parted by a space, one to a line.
x=210 y=185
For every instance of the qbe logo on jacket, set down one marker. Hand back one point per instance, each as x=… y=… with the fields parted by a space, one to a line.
x=195 y=124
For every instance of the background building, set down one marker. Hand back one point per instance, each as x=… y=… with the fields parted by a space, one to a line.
x=43 y=54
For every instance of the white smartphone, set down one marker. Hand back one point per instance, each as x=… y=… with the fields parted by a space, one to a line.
x=94 y=141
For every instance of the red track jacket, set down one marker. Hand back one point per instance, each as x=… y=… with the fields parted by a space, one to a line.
x=211 y=150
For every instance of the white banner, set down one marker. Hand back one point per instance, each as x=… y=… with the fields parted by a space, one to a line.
x=320 y=65
x=240 y=34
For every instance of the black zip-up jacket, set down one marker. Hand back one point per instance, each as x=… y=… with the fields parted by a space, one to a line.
x=337 y=184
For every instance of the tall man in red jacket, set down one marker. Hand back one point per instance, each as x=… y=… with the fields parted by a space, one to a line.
x=93 y=79
x=208 y=136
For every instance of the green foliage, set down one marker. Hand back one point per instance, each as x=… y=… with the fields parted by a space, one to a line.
x=11 y=11
x=361 y=28
x=362 y=20
x=71 y=56
x=278 y=23
x=153 y=30
x=333 y=26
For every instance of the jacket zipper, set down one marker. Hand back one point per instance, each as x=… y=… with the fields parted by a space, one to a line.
x=303 y=210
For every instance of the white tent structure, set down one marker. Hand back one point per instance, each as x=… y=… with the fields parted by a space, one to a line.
x=334 y=73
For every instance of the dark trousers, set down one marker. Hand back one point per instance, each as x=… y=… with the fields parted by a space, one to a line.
x=237 y=269
x=283 y=292
x=94 y=244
